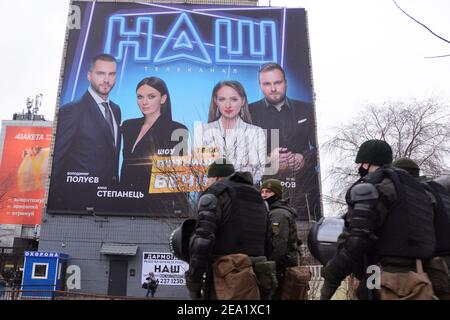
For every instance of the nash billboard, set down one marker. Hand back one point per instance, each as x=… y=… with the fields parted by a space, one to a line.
x=152 y=93
x=24 y=172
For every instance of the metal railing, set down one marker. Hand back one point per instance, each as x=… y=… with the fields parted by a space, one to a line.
x=13 y=294
x=315 y=284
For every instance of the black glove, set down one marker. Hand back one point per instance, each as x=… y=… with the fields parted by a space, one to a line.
x=193 y=286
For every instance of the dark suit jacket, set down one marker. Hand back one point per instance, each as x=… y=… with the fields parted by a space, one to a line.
x=137 y=166
x=299 y=132
x=84 y=143
x=298 y=136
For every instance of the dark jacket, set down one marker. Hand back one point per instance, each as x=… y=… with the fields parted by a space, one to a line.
x=83 y=144
x=441 y=217
x=400 y=229
x=232 y=218
x=296 y=125
x=241 y=216
x=296 y=134
x=284 y=234
x=137 y=165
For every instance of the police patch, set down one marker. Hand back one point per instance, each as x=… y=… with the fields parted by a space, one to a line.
x=276 y=228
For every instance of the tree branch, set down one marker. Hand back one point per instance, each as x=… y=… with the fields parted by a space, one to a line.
x=443 y=56
x=416 y=129
x=423 y=25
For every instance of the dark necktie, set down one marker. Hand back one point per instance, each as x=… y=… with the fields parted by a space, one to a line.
x=109 y=119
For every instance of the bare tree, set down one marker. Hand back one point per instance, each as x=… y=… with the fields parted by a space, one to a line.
x=419 y=130
x=185 y=179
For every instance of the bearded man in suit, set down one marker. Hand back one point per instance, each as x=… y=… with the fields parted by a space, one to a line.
x=291 y=140
x=87 y=145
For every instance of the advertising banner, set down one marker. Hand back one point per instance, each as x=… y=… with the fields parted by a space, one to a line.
x=23 y=173
x=166 y=268
x=153 y=93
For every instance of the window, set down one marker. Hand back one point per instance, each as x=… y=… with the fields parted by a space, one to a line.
x=40 y=271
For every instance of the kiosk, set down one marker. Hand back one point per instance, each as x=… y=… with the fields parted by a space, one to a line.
x=44 y=272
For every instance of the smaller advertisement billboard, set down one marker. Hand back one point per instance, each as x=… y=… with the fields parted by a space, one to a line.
x=24 y=172
x=166 y=268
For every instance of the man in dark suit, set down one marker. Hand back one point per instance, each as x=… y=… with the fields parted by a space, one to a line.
x=291 y=139
x=87 y=144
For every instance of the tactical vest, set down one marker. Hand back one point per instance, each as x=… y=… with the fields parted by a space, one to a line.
x=408 y=230
x=441 y=218
x=245 y=230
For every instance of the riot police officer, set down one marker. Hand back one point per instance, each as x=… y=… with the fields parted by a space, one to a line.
x=388 y=224
x=232 y=218
x=282 y=219
x=408 y=165
x=439 y=267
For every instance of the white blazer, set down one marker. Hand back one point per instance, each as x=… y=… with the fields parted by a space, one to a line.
x=244 y=145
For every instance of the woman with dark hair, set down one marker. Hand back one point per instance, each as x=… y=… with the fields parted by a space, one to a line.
x=149 y=136
x=229 y=133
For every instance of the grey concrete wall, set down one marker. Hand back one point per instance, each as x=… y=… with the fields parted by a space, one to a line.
x=81 y=237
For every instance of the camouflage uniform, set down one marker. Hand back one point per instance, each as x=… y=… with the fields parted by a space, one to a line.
x=284 y=237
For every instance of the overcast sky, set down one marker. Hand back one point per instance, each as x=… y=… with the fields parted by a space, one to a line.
x=362 y=52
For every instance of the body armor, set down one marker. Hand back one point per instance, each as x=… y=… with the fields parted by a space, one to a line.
x=441 y=218
x=408 y=230
x=202 y=242
x=245 y=229
x=241 y=230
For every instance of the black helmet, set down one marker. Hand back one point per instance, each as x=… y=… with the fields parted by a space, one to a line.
x=179 y=239
x=376 y=152
x=409 y=165
x=220 y=168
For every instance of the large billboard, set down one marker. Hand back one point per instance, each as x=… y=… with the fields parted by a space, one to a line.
x=152 y=93
x=24 y=171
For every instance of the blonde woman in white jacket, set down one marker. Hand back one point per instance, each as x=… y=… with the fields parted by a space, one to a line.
x=229 y=132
